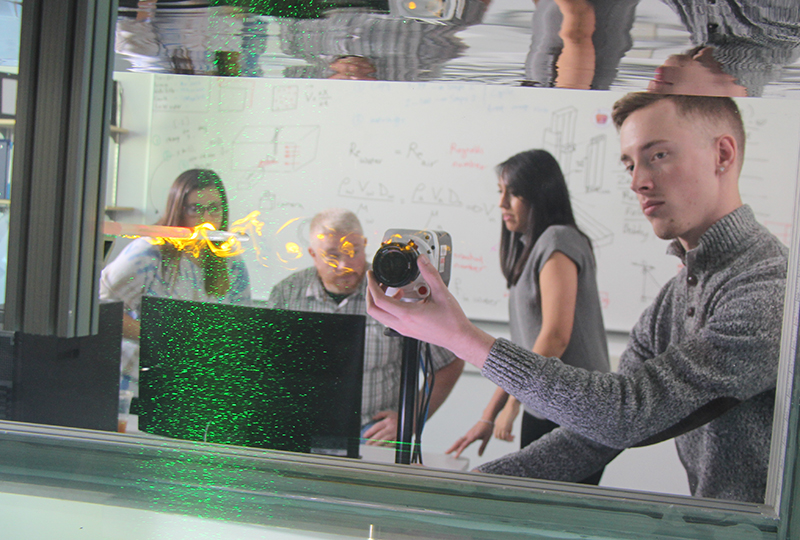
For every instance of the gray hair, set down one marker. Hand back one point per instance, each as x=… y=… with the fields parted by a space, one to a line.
x=339 y=220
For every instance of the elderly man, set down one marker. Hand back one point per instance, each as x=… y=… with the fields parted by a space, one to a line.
x=336 y=284
x=701 y=363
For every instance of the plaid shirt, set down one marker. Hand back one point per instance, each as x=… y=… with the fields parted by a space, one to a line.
x=383 y=355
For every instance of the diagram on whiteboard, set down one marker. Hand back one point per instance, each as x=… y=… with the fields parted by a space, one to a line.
x=599 y=234
x=559 y=138
x=595 y=162
x=649 y=285
x=275 y=148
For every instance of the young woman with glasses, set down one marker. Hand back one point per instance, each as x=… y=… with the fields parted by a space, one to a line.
x=146 y=269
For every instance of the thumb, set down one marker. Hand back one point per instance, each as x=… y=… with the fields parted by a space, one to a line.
x=430 y=274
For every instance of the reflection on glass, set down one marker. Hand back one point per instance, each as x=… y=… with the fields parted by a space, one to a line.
x=739 y=47
x=407 y=156
x=597 y=44
x=579 y=44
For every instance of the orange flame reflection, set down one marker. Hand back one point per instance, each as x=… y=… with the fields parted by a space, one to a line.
x=199 y=238
x=220 y=243
x=194 y=244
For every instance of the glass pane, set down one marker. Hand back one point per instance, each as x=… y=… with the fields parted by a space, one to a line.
x=231 y=101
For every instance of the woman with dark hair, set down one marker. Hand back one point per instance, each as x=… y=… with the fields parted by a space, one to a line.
x=549 y=266
x=145 y=268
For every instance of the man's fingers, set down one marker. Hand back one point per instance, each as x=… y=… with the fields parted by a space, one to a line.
x=378 y=302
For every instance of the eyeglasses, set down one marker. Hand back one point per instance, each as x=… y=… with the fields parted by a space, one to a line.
x=200 y=209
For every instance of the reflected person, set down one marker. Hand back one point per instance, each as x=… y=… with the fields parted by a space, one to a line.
x=336 y=284
x=739 y=46
x=351 y=67
x=578 y=43
x=554 y=306
x=147 y=269
x=397 y=48
x=701 y=363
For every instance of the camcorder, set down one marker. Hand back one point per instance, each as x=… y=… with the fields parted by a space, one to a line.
x=395 y=262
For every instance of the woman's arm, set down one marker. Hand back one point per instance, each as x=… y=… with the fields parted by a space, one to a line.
x=482 y=430
x=558 y=293
x=130 y=327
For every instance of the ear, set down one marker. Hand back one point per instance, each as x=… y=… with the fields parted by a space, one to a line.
x=705 y=53
x=312 y=253
x=727 y=152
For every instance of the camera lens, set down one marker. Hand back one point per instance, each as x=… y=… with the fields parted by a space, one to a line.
x=395 y=265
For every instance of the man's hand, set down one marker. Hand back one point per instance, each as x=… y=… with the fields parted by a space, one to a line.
x=438 y=319
x=384 y=431
x=481 y=430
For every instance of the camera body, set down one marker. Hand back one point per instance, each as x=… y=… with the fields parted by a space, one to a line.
x=395 y=262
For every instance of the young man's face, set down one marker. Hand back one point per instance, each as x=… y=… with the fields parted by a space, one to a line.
x=340 y=260
x=674 y=165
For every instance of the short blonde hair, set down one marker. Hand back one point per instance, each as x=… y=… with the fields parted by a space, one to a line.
x=712 y=109
x=339 y=220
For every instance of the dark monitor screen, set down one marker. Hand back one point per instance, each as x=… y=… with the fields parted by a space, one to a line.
x=277 y=379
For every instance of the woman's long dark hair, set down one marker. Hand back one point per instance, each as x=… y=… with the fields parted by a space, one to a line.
x=535 y=176
x=215 y=270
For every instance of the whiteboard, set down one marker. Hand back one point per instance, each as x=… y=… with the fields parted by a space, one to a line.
x=422 y=156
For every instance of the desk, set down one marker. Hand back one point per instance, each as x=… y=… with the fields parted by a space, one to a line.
x=372 y=454
x=434 y=460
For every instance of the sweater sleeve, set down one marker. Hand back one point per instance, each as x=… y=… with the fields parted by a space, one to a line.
x=732 y=357
x=126 y=278
x=559 y=455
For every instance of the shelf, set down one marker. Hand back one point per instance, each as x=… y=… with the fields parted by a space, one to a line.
x=10 y=123
x=6 y=202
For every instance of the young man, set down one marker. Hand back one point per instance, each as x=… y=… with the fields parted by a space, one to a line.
x=702 y=360
x=336 y=284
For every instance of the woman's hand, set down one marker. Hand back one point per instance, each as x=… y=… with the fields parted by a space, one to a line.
x=481 y=430
x=504 y=424
x=438 y=319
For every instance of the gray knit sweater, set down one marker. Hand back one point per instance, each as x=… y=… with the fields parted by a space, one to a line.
x=700 y=366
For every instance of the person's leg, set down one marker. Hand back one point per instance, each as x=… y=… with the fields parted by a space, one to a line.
x=533 y=428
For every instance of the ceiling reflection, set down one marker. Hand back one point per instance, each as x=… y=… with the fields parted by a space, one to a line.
x=722 y=47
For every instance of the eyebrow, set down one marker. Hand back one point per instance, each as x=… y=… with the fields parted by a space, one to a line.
x=646 y=146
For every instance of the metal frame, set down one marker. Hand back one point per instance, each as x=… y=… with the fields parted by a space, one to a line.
x=63 y=110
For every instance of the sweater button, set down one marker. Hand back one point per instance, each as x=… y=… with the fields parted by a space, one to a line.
x=691 y=279
x=690 y=312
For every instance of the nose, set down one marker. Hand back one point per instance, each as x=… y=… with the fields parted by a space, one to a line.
x=641 y=180
x=503 y=202
x=343 y=264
